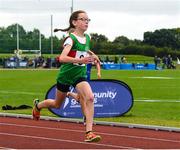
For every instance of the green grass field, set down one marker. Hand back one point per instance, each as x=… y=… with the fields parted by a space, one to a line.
x=19 y=87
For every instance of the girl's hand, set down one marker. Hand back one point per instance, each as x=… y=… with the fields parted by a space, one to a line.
x=99 y=75
x=86 y=60
x=94 y=56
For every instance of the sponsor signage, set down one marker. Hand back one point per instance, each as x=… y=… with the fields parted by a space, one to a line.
x=128 y=66
x=111 y=98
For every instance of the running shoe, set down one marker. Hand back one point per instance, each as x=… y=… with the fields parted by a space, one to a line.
x=92 y=137
x=36 y=111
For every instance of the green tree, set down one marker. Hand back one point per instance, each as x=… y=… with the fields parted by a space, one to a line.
x=121 y=40
x=98 y=38
x=163 y=38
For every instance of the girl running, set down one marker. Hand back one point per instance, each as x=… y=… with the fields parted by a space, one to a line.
x=75 y=56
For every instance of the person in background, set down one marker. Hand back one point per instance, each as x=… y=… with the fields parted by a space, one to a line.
x=164 y=61
x=156 y=61
x=123 y=59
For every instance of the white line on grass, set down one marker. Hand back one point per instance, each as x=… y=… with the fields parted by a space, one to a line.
x=138 y=100
x=30 y=69
x=149 y=77
x=23 y=93
x=159 y=101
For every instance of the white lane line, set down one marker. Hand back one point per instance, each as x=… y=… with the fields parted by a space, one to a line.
x=103 y=133
x=62 y=140
x=22 y=93
x=38 y=69
x=151 y=77
x=6 y=148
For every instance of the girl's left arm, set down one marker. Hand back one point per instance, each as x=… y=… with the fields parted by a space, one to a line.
x=98 y=67
x=94 y=55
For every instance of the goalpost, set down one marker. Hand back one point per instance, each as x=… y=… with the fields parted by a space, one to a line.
x=19 y=52
x=25 y=57
x=30 y=53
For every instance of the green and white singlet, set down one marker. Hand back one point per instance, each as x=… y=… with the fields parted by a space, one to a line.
x=70 y=72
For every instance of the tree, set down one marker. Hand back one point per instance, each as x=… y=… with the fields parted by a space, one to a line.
x=98 y=38
x=163 y=38
x=121 y=40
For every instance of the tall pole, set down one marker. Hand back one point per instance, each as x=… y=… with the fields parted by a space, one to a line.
x=72 y=6
x=17 y=28
x=40 y=42
x=51 y=34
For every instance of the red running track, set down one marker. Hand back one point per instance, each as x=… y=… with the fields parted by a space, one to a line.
x=19 y=133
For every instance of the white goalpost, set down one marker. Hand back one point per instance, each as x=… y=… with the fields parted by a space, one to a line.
x=19 y=52
x=30 y=53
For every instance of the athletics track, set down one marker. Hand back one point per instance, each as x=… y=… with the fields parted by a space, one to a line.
x=25 y=133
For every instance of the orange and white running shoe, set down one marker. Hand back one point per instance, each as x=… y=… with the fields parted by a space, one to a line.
x=92 y=137
x=36 y=111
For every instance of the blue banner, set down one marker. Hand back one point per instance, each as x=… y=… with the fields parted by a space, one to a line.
x=128 y=66
x=111 y=98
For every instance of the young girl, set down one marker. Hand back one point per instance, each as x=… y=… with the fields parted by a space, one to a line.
x=73 y=72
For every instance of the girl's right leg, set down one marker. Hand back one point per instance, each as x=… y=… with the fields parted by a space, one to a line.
x=48 y=103
x=79 y=99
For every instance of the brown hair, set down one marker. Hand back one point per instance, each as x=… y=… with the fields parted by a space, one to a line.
x=73 y=16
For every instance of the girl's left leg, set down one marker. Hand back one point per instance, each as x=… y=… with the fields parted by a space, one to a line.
x=84 y=90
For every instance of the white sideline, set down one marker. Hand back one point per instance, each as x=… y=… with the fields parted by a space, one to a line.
x=154 y=100
x=136 y=100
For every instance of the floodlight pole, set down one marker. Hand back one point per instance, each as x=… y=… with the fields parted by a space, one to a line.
x=40 y=42
x=51 y=34
x=17 y=28
x=72 y=6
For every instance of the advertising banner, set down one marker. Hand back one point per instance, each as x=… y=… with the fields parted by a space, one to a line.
x=111 y=98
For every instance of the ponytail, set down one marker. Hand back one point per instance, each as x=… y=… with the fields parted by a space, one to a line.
x=74 y=16
x=63 y=30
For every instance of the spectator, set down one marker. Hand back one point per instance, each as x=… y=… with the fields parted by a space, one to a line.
x=164 y=61
x=123 y=59
x=170 y=64
x=155 y=61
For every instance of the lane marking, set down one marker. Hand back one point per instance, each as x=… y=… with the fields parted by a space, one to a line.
x=163 y=101
x=62 y=140
x=23 y=93
x=103 y=133
x=5 y=148
x=138 y=100
x=28 y=69
x=154 y=77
